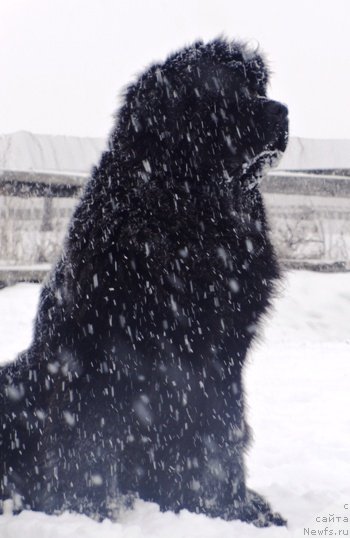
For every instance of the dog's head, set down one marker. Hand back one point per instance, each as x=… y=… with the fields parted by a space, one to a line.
x=204 y=113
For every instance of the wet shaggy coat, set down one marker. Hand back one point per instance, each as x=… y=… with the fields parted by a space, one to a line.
x=132 y=385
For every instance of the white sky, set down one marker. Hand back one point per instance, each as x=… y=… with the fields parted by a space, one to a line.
x=63 y=63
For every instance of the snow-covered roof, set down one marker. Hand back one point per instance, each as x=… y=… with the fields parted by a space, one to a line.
x=28 y=152
x=313 y=154
x=71 y=155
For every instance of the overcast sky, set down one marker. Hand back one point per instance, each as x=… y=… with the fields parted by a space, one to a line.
x=63 y=63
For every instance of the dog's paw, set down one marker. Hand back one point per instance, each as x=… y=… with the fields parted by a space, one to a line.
x=256 y=510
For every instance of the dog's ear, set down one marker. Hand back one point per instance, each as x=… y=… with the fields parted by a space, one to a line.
x=147 y=99
x=143 y=122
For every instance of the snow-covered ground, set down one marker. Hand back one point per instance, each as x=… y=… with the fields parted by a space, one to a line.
x=297 y=382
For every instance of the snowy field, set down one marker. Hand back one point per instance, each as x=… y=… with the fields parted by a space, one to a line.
x=297 y=384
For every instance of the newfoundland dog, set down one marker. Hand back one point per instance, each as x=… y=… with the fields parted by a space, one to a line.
x=132 y=386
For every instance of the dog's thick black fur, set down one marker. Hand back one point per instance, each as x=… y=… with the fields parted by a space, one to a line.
x=132 y=385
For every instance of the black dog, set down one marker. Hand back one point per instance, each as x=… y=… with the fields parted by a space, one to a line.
x=133 y=383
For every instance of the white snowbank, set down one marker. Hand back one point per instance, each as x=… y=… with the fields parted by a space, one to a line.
x=17 y=310
x=297 y=384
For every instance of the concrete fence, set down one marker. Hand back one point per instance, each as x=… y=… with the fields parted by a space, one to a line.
x=309 y=216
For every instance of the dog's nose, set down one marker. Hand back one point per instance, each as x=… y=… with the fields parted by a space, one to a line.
x=277 y=109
